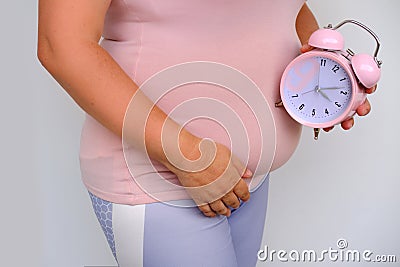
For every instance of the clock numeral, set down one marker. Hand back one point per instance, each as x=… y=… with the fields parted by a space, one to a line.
x=344 y=92
x=326 y=111
x=338 y=104
x=302 y=106
x=313 y=112
x=296 y=95
x=335 y=68
x=323 y=62
x=343 y=79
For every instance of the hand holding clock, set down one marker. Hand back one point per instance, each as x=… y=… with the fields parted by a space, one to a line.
x=362 y=110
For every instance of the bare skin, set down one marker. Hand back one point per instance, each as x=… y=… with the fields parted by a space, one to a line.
x=306 y=25
x=362 y=110
x=68 y=48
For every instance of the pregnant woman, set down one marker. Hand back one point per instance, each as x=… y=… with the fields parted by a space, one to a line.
x=102 y=52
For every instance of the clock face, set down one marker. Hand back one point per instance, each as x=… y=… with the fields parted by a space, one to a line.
x=316 y=90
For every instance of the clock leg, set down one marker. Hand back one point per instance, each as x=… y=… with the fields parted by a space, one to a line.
x=316 y=133
x=279 y=104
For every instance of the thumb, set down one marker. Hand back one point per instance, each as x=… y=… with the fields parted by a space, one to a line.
x=306 y=48
x=247 y=174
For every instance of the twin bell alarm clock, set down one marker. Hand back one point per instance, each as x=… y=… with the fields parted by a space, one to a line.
x=325 y=86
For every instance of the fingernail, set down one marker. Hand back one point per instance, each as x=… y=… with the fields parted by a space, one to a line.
x=248 y=173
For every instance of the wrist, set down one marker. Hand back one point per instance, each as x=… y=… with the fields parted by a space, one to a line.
x=188 y=150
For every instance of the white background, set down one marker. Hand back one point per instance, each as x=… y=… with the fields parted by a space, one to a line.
x=343 y=186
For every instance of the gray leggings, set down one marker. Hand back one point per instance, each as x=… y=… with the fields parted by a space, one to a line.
x=158 y=234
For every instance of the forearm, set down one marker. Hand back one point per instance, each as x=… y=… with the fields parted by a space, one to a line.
x=306 y=24
x=99 y=85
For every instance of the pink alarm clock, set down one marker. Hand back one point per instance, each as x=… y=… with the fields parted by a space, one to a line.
x=323 y=87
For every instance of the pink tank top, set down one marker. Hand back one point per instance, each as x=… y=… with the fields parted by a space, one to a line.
x=256 y=37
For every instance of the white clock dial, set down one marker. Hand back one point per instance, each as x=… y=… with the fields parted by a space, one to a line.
x=317 y=89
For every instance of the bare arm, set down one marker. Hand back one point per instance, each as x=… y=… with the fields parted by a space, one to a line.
x=68 y=48
x=306 y=24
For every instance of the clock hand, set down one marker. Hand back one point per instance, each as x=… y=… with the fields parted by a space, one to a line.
x=313 y=90
x=330 y=88
x=323 y=94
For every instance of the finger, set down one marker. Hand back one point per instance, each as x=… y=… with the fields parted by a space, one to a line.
x=306 y=48
x=220 y=208
x=364 y=108
x=347 y=124
x=328 y=129
x=243 y=171
x=371 y=90
x=247 y=174
x=231 y=200
x=241 y=190
x=207 y=211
